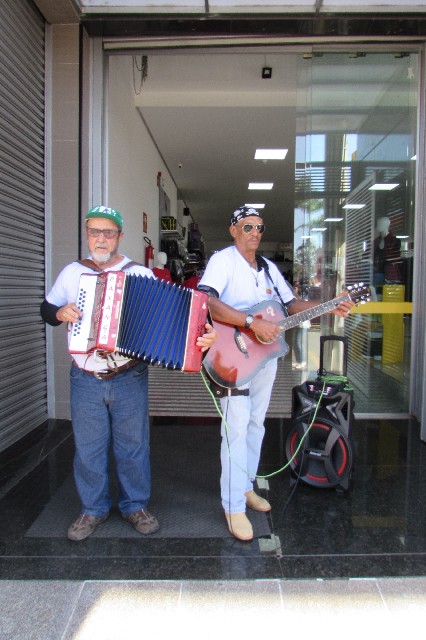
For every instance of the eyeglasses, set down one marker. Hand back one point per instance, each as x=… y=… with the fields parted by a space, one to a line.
x=249 y=227
x=107 y=233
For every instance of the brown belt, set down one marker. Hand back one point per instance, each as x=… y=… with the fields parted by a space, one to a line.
x=106 y=375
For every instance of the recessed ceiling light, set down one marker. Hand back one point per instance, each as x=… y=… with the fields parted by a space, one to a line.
x=384 y=186
x=255 y=205
x=353 y=206
x=319 y=229
x=267 y=186
x=333 y=219
x=270 y=154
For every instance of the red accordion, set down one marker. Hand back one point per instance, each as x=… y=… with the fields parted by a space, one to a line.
x=140 y=317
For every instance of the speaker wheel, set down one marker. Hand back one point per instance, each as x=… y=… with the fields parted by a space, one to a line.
x=325 y=456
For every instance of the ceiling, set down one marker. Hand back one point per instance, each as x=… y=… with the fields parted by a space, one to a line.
x=54 y=9
x=209 y=109
x=209 y=112
x=207 y=116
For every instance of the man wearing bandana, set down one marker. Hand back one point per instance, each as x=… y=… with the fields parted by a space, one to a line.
x=236 y=279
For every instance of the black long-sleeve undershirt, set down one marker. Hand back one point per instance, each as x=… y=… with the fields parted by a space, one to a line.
x=48 y=313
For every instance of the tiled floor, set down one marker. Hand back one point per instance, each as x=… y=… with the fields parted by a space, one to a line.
x=190 y=610
x=337 y=562
x=376 y=529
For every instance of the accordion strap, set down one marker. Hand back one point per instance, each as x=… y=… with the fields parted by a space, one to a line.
x=87 y=262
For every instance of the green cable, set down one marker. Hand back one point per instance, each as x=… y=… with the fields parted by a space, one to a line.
x=274 y=473
x=330 y=378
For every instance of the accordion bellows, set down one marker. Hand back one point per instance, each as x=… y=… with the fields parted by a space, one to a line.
x=140 y=317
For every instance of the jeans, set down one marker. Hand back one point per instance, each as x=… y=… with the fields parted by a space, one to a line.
x=111 y=414
x=299 y=344
x=242 y=432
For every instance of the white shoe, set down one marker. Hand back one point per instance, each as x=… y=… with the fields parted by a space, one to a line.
x=240 y=526
x=257 y=503
x=299 y=365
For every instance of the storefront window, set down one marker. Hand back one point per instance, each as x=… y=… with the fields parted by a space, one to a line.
x=339 y=207
x=354 y=213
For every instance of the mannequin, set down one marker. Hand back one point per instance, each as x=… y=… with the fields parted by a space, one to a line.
x=191 y=278
x=387 y=254
x=160 y=270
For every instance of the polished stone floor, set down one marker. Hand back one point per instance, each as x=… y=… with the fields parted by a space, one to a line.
x=376 y=528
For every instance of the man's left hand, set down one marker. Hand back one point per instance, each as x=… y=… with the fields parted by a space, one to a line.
x=207 y=339
x=344 y=307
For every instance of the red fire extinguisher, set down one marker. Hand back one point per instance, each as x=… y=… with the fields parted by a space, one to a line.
x=149 y=253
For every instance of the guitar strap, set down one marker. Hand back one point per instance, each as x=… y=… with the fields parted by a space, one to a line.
x=263 y=264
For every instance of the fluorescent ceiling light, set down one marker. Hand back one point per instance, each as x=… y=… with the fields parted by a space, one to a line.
x=255 y=205
x=319 y=229
x=267 y=186
x=353 y=206
x=270 y=154
x=402 y=237
x=305 y=237
x=333 y=219
x=384 y=186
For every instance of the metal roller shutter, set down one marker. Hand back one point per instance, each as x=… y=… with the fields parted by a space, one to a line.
x=173 y=393
x=23 y=404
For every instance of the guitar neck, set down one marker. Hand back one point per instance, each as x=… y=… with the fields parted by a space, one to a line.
x=313 y=312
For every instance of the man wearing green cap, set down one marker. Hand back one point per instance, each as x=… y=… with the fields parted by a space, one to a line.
x=109 y=394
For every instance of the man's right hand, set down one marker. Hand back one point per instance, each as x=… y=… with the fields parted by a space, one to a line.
x=68 y=313
x=265 y=330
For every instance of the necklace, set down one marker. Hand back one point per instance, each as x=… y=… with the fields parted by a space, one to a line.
x=253 y=267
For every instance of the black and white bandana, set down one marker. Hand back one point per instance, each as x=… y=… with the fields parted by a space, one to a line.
x=243 y=212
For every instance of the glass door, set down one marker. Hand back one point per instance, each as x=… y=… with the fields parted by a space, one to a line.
x=354 y=214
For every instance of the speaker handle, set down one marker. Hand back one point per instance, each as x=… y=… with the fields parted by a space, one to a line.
x=344 y=340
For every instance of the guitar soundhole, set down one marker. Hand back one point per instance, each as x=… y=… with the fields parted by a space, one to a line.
x=239 y=341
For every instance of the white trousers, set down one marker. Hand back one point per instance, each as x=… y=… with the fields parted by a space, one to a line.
x=242 y=433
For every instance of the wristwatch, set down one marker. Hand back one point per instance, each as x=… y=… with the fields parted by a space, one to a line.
x=249 y=320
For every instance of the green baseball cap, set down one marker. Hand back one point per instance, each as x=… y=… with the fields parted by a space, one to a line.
x=106 y=212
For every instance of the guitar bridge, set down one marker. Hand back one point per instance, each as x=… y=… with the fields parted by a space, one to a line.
x=239 y=341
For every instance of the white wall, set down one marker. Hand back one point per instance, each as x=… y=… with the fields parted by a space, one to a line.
x=62 y=205
x=133 y=163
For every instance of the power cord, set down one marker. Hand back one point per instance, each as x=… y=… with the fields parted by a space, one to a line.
x=299 y=473
x=284 y=467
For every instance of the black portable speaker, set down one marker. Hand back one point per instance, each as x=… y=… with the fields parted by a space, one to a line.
x=318 y=444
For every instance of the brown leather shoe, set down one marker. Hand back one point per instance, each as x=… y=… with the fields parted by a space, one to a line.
x=84 y=526
x=240 y=526
x=256 y=503
x=143 y=521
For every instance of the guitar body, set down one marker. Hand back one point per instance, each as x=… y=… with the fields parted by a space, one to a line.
x=237 y=355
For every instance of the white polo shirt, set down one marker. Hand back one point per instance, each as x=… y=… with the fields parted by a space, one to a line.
x=241 y=286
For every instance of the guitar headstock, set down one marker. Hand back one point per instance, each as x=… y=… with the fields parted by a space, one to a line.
x=359 y=293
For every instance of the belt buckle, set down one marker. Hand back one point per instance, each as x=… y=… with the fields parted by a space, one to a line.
x=100 y=375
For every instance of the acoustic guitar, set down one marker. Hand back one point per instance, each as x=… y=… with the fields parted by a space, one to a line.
x=238 y=354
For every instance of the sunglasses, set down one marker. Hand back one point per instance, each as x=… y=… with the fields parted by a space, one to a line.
x=249 y=227
x=107 y=233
